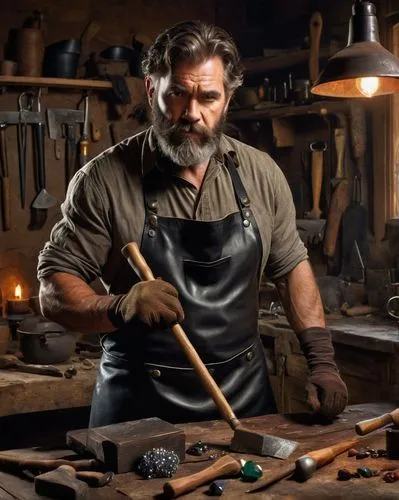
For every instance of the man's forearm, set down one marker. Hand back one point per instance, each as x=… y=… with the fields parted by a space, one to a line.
x=70 y=301
x=300 y=297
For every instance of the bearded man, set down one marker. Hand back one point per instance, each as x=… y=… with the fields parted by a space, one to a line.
x=211 y=214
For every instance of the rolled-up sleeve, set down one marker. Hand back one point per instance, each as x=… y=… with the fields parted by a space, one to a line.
x=286 y=248
x=80 y=242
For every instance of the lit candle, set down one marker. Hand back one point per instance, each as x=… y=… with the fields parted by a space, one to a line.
x=18 y=305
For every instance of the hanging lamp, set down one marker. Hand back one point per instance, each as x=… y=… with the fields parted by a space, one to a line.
x=364 y=68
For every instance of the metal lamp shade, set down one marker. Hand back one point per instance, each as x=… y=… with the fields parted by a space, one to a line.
x=363 y=57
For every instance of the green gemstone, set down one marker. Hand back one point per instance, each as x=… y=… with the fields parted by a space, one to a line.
x=251 y=471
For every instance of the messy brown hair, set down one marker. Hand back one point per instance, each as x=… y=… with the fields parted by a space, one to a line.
x=194 y=41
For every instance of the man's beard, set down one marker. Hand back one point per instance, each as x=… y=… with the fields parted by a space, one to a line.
x=181 y=149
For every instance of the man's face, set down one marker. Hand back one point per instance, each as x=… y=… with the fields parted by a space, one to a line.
x=189 y=107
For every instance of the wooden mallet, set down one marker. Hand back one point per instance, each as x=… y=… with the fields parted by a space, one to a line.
x=372 y=424
x=244 y=440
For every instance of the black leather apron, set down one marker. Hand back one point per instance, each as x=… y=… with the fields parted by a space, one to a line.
x=215 y=267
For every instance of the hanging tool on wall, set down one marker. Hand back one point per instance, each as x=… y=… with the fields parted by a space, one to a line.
x=84 y=138
x=315 y=29
x=317 y=149
x=24 y=108
x=62 y=123
x=43 y=200
x=339 y=199
x=5 y=180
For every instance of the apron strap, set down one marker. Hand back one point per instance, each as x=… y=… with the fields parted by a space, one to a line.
x=243 y=202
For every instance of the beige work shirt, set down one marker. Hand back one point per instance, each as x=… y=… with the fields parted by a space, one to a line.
x=104 y=209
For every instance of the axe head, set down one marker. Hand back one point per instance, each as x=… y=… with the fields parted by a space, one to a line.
x=247 y=441
x=58 y=117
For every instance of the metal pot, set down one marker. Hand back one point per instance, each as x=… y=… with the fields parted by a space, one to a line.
x=45 y=342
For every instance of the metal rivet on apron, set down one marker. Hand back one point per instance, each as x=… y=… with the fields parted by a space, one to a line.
x=153 y=220
x=153 y=204
x=156 y=373
x=244 y=200
x=247 y=213
x=250 y=355
x=246 y=222
x=211 y=370
x=151 y=233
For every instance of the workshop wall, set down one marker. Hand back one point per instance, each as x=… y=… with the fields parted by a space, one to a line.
x=117 y=21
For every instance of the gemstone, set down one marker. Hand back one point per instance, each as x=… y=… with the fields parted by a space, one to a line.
x=365 y=472
x=197 y=449
x=251 y=471
x=216 y=489
x=363 y=454
x=390 y=477
x=352 y=452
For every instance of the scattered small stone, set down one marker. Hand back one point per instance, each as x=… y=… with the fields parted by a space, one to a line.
x=197 y=449
x=391 y=477
x=344 y=475
x=352 y=452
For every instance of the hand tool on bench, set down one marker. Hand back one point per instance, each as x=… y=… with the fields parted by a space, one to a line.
x=66 y=482
x=62 y=123
x=372 y=424
x=244 y=440
x=24 y=462
x=10 y=362
x=224 y=466
x=315 y=29
x=5 y=179
x=43 y=200
x=304 y=467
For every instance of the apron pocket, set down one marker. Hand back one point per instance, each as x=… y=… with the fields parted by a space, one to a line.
x=206 y=273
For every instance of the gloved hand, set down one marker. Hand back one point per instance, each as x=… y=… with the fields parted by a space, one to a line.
x=326 y=391
x=153 y=302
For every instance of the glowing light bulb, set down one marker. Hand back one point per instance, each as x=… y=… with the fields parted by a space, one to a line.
x=18 y=292
x=368 y=86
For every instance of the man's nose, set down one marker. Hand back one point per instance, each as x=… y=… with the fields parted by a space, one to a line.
x=192 y=111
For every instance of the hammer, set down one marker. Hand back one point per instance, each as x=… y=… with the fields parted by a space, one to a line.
x=372 y=424
x=304 y=467
x=244 y=440
x=64 y=483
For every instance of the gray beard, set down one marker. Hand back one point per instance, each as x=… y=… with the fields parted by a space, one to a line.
x=182 y=150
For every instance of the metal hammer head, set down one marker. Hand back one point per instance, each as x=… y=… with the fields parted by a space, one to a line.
x=61 y=483
x=246 y=441
x=57 y=117
x=304 y=468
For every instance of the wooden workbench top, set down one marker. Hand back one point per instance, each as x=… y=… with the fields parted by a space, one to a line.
x=27 y=393
x=309 y=434
x=371 y=332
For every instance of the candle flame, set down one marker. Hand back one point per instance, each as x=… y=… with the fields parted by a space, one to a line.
x=18 y=292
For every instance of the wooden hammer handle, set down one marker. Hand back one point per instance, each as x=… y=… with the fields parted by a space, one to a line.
x=45 y=464
x=326 y=455
x=224 y=466
x=317 y=180
x=372 y=424
x=315 y=29
x=338 y=204
x=133 y=255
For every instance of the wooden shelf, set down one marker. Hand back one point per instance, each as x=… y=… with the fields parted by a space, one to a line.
x=284 y=59
x=318 y=107
x=73 y=83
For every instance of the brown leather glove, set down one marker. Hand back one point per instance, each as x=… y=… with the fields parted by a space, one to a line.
x=155 y=303
x=326 y=391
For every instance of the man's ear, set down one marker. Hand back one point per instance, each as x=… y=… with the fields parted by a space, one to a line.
x=149 y=88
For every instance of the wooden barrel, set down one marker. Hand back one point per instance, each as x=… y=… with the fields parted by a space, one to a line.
x=30 y=51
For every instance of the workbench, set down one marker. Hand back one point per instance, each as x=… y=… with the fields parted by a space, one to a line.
x=299 y=427
x=366 y=352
